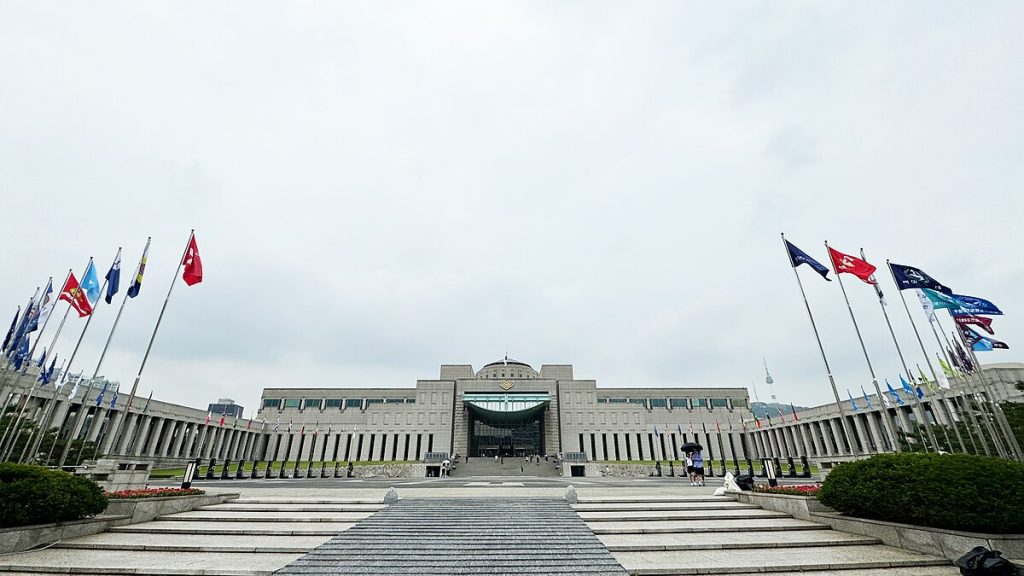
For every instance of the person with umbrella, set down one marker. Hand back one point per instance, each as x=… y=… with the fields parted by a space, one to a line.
x=690 y=449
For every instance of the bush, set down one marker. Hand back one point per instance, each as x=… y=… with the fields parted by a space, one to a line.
x=36 y=495
x=951 y=491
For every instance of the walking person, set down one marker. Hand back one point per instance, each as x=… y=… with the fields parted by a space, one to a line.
x=689 y=469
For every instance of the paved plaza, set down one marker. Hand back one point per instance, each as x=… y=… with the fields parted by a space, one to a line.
x=653 y=526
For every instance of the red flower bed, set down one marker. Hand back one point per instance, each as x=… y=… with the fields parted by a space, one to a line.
x=153 y=493
x=800 y=490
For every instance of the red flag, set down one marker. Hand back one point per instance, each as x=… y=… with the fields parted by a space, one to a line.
x=756 y=420
x=193 y=273
x=249 y=425
x=853 y=265
x=73 y=294
x=984 y=323
x=222 y=420
x=793 y=408
x=718 y=426
x=208 y=416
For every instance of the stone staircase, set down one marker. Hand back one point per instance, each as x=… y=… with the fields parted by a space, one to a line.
x=686 y=534
x=243 y=537
x=512 y=467
x=717 y=535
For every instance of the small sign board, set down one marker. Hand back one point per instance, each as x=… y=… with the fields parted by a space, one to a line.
x=190 y=472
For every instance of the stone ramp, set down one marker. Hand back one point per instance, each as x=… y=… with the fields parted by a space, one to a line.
x=464 y=536
x=668 y=537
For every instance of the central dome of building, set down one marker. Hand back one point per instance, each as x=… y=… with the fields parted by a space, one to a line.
x=507 y=368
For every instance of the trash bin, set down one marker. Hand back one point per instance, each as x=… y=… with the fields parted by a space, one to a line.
x=745 y=482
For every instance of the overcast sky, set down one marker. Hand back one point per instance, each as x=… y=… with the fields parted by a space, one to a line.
x=380 y=188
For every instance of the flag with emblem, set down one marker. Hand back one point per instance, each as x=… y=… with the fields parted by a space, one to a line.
x=907 y=277
x=136 y=285
x=72 y=294
x=971 y=320
x=113 y=278
x=193 y=273
x=846 y=264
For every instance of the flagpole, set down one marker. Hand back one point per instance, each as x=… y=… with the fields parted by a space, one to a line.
x=996 y=410
x=152 y=338
x=903 y=362
x=969 y=385
x=927 y=361
x=970 y=409
x=106 y=345
x=851 y=442
x=49 y=409
x=889 y=424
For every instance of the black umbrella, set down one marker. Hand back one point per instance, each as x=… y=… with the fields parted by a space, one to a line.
x=691 y=447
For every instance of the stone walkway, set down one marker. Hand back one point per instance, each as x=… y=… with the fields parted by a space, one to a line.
x=493 y=530
x=465 y=536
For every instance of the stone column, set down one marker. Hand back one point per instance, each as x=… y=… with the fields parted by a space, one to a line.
x=881 y=439
x=833 y=437
x=143 y=427
x=183 y=434
x=165 y=446
x=217 y=441
x=97 y=422
x=108 y=436
x=154 y=443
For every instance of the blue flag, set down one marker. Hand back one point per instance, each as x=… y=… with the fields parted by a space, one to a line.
x=42 y=359
x=113 y=400
x=99 y=399
x=113 y=277
x=46 y=374
x=852 y=403
x=866 y=399
x=798 y=257
x=906 y=386
x=920 y=393
x=980 y=343
x=10 y=331
x=895 y=395
x=907 y=277
x=21 y=352
x=91 y=284
x=22 y=325
x=974 y=305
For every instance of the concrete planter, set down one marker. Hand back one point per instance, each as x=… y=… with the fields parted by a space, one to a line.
x=949 y=544
x=118 y=513
x=146 y=509
x=801 y=507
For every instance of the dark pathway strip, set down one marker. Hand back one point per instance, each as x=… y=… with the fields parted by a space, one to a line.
x=467 y=536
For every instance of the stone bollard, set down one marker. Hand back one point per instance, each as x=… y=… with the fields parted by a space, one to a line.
x=209 y=469
x=240 y=473
x=792 y=467
x=570 y=495
x=337 y=469
x=807 y=467
x=199 y=463
x=224 y=471
x=255 y=474
x=323 y=470
x=391 y=496
x=750 y=468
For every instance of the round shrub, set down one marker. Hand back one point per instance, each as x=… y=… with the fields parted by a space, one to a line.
x=36 y=495
x=951 y=491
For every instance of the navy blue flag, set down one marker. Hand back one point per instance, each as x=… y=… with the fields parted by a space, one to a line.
x=10 y=331
x=973 y=305
x=99 y=399
x=21 y=352
x=909 y=277
x=798 y=257
x=980 y=343
x=113 y=278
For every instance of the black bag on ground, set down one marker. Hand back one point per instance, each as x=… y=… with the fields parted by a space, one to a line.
x=981 y=561
x=745 y=482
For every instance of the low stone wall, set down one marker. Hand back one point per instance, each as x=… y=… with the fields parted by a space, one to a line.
x=797 y=506
x=949 y=544
x=146 y=509
x=118 y=513
x=603 y=469
x=385 y=470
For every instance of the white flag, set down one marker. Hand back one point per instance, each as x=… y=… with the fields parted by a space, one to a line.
x=929 y=309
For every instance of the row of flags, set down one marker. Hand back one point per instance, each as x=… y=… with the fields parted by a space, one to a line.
x=966 y=311
x=84 y=296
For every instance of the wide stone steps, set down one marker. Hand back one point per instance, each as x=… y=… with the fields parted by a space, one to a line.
x=243 y=540
x=667 y=506
x=467 y=536
x=660 y=537
x=306 y=501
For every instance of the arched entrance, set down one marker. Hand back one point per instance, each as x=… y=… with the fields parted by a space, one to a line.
x=506 y=424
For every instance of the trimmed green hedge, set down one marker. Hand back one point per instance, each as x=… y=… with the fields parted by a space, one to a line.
x=951 y=491
x=36 y=495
